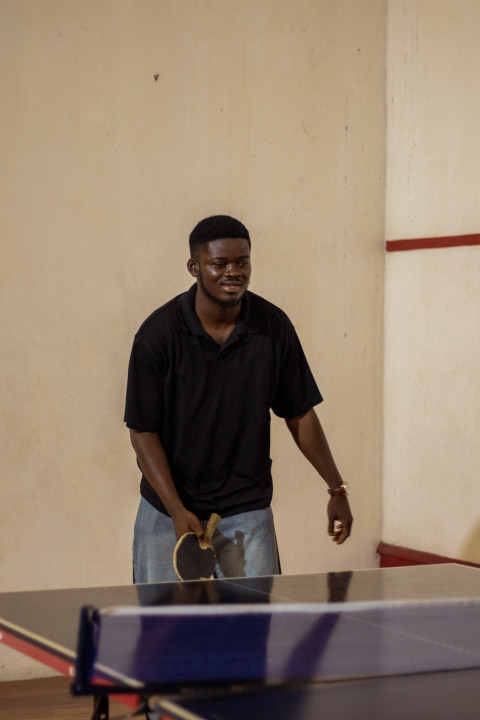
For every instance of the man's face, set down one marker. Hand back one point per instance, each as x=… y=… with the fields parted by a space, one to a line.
x=223 y=270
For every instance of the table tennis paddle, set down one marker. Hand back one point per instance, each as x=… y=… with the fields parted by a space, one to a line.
x=195 y=559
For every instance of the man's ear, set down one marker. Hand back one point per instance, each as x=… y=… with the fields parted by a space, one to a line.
x=192 y=267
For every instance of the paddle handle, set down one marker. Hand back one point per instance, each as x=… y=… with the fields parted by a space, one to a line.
x=212 y=525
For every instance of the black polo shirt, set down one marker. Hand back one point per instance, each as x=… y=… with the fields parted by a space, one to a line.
x=210 y=404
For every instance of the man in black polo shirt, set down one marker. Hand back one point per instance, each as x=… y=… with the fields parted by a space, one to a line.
x=204 y=373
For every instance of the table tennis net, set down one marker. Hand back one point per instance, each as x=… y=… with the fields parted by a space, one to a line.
x=160 y=649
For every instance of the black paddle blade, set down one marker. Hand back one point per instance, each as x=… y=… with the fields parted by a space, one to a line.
x=190 y=561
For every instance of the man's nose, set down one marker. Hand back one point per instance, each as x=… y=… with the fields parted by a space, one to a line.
x=232 y=269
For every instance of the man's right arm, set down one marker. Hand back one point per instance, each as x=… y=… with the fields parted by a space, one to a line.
x=153 y=461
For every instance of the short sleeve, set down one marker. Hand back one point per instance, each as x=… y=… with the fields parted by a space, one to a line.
x=144 y=406
x=296 y=392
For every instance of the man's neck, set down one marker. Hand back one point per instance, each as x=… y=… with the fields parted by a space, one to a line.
x=217 y=321
x=213 y=314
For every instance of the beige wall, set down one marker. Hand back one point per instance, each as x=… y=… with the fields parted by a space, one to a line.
x=270 y=110
x=431 y=493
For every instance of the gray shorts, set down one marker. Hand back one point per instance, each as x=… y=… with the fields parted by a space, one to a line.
x=245 y=545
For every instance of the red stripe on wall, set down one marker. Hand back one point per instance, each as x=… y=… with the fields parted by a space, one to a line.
x=397 y=556
x=433 y=243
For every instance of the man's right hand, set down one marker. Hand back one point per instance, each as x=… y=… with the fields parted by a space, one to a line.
x=186 y=521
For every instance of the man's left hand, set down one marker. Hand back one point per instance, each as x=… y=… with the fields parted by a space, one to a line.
x=340 y=518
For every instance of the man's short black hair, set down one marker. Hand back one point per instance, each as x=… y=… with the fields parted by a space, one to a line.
x=217 y=227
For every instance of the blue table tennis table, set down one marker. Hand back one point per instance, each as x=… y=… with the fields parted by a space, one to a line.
x=396 y=643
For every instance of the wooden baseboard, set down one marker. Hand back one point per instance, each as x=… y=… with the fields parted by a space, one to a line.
x=398 y=556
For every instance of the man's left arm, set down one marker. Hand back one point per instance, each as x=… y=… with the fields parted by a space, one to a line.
x=308 y=433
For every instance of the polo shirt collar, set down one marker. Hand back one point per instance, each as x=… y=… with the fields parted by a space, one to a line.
x=245 y=325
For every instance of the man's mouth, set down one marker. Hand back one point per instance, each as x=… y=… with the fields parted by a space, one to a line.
x=231 y=285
